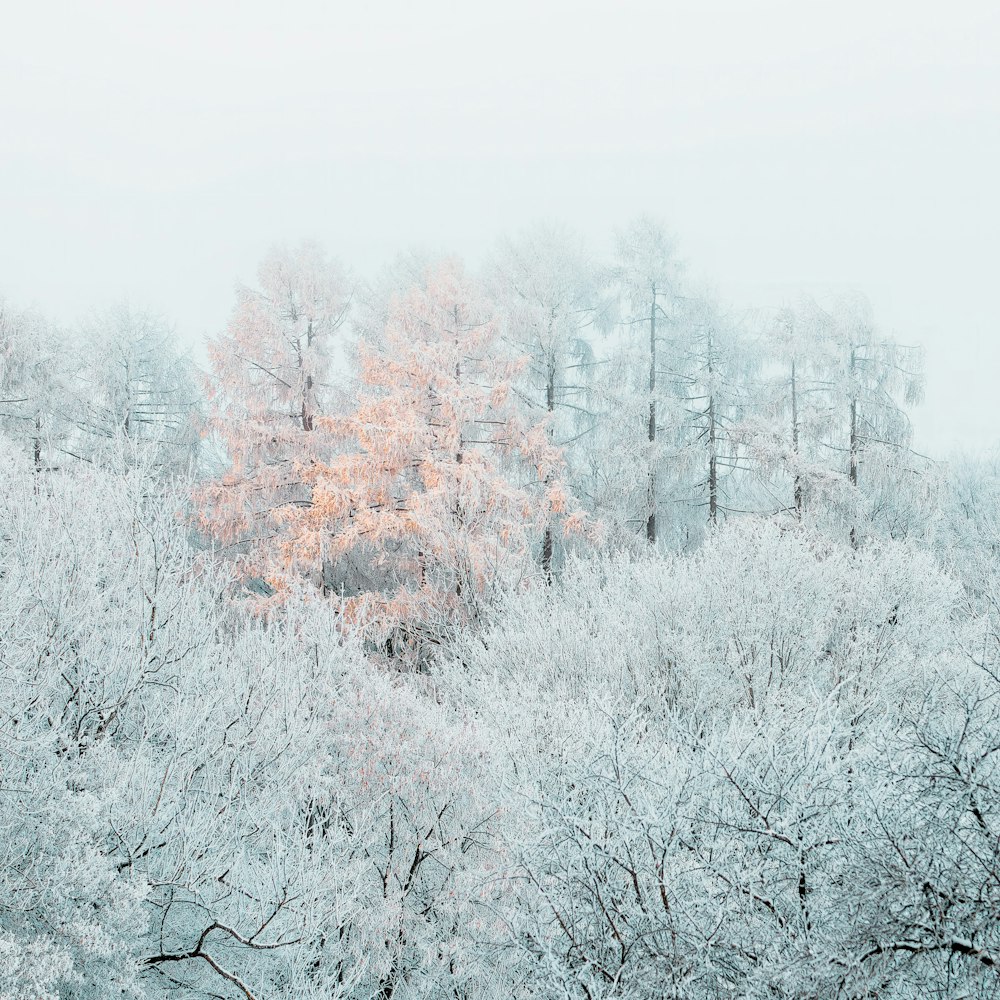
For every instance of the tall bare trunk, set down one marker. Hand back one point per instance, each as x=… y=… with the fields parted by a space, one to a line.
x=38 y=443
x=550 y=405
x=854 y=444
x=795 y=445
x=459 y=513
x=713 y=440
x=713 y=464
x=308 y=416
x=651 y=488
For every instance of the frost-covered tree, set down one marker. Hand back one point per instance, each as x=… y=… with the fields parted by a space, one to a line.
x=34 y=379
x=269 y=385
x=198 y=804
x=793 y=394
x=134 y=393
x=747 y=797
x=870 y=378
x=551 y=299
x=710 y=369
x=445 y=482
x=835 y=421
x=646 y=271
x=764 y=766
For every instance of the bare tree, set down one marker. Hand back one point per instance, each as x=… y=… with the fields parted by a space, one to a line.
x=647 y=274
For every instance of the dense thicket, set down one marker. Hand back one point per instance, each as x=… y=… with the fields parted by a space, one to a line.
x=586 y=643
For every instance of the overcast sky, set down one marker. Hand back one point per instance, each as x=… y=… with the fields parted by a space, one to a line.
x=156 y=150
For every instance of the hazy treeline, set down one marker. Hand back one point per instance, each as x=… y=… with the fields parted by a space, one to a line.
x=546 y=631
x=410 y=441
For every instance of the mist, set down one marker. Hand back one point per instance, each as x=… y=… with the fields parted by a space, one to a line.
x=156 y=153
x=499 y=503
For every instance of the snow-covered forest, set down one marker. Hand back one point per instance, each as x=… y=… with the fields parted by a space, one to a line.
x=544 y=628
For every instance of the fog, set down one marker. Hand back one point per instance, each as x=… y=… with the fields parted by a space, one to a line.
x=605 y=633
x=156 y=151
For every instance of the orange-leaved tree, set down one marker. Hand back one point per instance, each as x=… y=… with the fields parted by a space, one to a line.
x=446 y=483
x=267 y=391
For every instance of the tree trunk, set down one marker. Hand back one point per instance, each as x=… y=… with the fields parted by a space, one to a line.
x=38 y=443
x=459 y=513
x=713 y=464
x=854 y=445
x=651 y=488
x=307 y=390
x=550 y=405
x=713 y=442
x=795 y=445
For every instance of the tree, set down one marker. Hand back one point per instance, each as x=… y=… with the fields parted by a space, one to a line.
x=647 y=274
x=446 y=481
x=837 y=397
x=794 y=407
x=199 y=803
x=549 y=291
x=134 y=392
x=709 y=368
x=733 y=772
x=33 y=385
x=871 y=375
x=269 y=386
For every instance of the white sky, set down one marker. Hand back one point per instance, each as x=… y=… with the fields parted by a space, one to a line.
x=157 y=149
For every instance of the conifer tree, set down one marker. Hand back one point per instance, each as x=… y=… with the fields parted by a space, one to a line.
x=268 y=388
x=444 y=481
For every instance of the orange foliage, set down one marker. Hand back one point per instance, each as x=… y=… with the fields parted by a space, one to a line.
x=435 y=486
x=439 y=492
x=264 y=397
